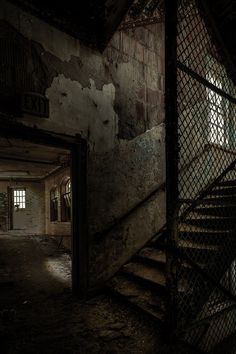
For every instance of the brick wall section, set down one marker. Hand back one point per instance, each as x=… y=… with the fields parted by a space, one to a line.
x=32 y=218
x=144 y=49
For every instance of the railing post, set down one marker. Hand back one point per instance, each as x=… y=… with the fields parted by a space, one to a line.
x=171 y=8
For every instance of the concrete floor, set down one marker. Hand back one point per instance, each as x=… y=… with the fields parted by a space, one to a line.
x=39 y=315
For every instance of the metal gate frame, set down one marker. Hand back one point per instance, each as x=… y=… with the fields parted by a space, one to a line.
x=174 y=213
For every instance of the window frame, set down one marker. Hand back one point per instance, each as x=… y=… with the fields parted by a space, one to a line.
x=65 y=194
x=54 y=198
x=218 y=106
x=19 y=198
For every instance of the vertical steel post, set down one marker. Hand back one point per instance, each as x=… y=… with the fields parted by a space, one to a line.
x=79 y=219
x=171 y=8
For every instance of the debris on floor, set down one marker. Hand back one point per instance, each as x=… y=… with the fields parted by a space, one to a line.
x=39 y=315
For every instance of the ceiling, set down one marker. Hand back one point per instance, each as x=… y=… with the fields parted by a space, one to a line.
x=95 y=21
x=21 y=159
x=92 y=21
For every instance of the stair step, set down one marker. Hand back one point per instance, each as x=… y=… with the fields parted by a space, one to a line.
x=202 y=253
x=151 y=277
x=209 y=238
x=147 y=275
x=211 y=222
x=223 y=210
x=224 y=191
x=219 y=200
x=193 y=228
x=198 y=246
x=145 y=299
x=152 y=256
x=228 y=183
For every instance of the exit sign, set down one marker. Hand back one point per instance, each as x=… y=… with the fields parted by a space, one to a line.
x=35 y=104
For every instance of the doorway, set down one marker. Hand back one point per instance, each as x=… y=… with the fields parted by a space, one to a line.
x=17 y=208
x=32 y=160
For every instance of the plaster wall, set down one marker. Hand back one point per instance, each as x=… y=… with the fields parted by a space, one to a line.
x=31 y=219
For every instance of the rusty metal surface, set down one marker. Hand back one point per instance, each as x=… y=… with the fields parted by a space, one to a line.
x=143 y=13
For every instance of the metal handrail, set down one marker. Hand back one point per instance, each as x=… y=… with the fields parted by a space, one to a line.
x=205 y=191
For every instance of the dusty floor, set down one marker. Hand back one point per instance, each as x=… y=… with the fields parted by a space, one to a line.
x=39 y=315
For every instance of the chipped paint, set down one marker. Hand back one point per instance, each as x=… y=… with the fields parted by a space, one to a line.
x=84 y=110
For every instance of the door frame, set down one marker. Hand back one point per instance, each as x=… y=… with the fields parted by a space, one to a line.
x=79 y=226
x=10 y=208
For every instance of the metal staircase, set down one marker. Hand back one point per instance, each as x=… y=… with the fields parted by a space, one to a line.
x=204 y=235
x=186 y=276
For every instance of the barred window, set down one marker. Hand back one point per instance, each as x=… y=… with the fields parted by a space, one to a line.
x=66 y=199
x=19 y=198
x=54 y=204
x=218 y=107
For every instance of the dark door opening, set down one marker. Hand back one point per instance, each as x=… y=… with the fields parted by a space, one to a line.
x=59 y=163
x=17 y=208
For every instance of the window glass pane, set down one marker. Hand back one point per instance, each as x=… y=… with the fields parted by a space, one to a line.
x=19 y=198
x=217 y=111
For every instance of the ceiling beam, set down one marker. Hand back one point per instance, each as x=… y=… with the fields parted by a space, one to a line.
x=53 y=163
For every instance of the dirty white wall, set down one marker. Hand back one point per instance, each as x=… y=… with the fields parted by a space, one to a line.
x=32 y=217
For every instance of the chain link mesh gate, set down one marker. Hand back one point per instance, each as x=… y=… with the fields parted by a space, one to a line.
x=204 y=254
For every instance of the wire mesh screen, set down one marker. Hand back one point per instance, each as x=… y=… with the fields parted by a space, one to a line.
x=206 y=272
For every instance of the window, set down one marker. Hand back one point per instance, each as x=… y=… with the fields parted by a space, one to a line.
x=66 y=200
x=19 y=198
x=54 y=204
x=218 y=107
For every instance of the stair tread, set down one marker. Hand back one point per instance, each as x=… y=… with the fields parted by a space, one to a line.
x=195 y=215
x=223 y=200
x=145 y=299
x=146 y=272
x=223 y=190
x=215 y=206
x=231 y=182
x=153 y=254
x=193 y=228
x=196 y=245
x=212 y=222
x=217 y=210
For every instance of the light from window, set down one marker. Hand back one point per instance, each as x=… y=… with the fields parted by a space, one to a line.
x=217 y=134
x=19 y=198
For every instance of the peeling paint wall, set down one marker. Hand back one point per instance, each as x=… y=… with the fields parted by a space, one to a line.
x=115 y=100
x=92 y=108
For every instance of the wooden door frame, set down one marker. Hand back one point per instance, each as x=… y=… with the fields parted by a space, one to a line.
x=79 y=226
x=9 y=208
